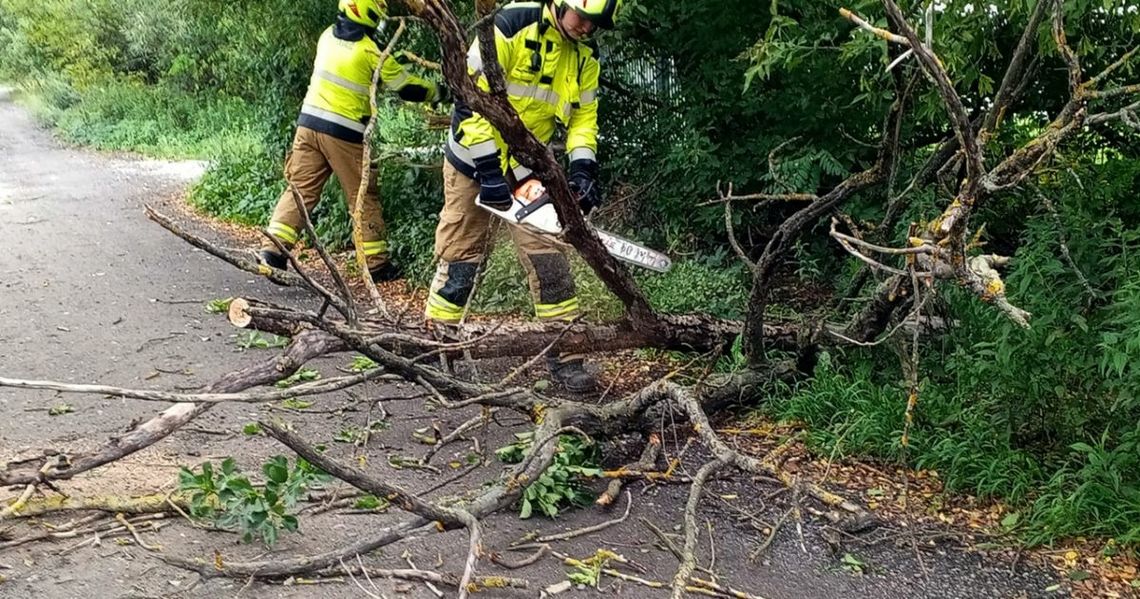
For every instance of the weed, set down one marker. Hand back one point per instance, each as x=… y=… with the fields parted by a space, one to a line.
x=852 y=564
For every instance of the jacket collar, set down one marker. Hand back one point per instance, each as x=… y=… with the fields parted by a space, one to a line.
x=349 y=30
x=549 y=21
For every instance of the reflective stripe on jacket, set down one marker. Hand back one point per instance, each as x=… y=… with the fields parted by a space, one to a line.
x=337 y=100
x=550 y=79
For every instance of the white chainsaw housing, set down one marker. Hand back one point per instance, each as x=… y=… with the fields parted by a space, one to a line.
x=544 y=221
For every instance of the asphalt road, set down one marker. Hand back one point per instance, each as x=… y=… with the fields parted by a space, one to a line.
x=91 y=291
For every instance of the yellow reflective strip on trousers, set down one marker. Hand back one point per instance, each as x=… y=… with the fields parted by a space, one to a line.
x=440 y=309
x=283 y=232
x=373 y=248
x=559 y=310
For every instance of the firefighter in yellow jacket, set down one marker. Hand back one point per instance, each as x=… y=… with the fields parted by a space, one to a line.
x=330 y=131
x=551 y=72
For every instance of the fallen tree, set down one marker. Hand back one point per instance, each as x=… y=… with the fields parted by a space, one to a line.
x=938 y=251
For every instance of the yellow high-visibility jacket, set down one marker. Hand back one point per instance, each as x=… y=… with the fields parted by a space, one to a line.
x=550 y=79
x=337 y=99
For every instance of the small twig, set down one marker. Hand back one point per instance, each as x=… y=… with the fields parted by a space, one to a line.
x=355 y=581
x=454 y=435
x=541 y=354
x=22 y=500
x=647 y=461
x=740 y=253
x=712 y=547
x=526 y=561
x=423 y=62
x=444 y=483
x=366 y=176
x=346 y=293
x=775 y=528
x=723 y=590
x=431 y=587
x=473 y=552
x=310 y=388
x=367 y=576
x=1064 y=245
x=135 y=533
x=688 y=554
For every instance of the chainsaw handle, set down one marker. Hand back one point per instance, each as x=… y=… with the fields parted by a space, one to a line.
x=530 y=208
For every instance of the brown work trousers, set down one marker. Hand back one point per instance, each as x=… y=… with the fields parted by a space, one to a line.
x=462 y=242
x=313 y=158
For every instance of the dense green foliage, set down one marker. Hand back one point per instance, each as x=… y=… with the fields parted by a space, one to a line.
x=698 y=94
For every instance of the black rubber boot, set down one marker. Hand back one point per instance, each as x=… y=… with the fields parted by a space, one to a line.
x=386 y=272
x=572 y=375
x=272 y=258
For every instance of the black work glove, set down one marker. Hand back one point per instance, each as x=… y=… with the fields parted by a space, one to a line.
x=584 y=184
x=493 y=188
x=442 y=95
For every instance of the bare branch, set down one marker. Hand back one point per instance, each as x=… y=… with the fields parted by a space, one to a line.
x=1122 y=114
x=303 y=348
x=1070 y=57
x=366 y=176
x=1015 y=73
x=934 y=69
x=1124 y=58
x=345 y=292
x=302 y=390
x=688 y=553
x=350 y=310
x=1116 y=91
x=740 y=253
x=876 y=31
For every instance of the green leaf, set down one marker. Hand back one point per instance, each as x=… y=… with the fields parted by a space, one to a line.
x=219 y=306
x=525 y=512
x=276 y=472
x=1010 y=520
x=1079 y=575
x=251 y=428
x=371 y=502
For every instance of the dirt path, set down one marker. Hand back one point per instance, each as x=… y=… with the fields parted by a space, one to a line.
x=91 y=291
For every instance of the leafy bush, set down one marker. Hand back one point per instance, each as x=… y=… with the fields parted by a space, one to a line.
x=241 y=185
x=1043 y=416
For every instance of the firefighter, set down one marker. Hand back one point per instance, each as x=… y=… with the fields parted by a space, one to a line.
x=330 y=131
x=551 y=72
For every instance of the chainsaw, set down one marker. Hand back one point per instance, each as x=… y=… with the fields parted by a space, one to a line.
x=533 y=209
